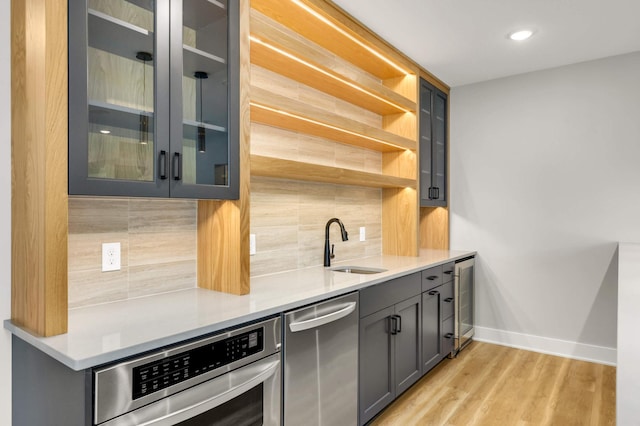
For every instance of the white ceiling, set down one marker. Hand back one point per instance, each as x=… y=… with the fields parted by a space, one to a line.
x=465 y=41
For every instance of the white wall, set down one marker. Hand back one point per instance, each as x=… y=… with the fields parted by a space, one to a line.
x=628 y=368
x=5 y=211
x=545 y=179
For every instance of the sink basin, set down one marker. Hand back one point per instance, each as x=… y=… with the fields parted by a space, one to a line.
x=357 y=270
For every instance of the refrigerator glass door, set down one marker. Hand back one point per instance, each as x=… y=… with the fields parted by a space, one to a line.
x=464 y=280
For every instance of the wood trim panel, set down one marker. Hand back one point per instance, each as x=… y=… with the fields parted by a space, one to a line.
x=406 y=86
x=288 y=169
x=434 y=228
x=267 y=109
x=39 y=166
x=399 y=225
x=274 y=48
x=223 y=225
x=400 y=206
x=404 y=124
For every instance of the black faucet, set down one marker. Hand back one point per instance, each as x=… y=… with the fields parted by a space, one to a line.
x=328 y=255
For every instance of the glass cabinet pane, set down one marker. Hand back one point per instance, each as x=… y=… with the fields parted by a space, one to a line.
x=205 y=149
x=120 y=89
x=440 y=144
x=426 y=94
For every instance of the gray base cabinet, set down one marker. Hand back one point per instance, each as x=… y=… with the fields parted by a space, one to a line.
x=431 y=330
x=407 y=344
x=46 y=392
x=390 y=349
x=437 y=315
x=376 y=374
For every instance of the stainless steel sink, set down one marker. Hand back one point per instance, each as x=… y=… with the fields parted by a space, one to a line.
x=357 y=270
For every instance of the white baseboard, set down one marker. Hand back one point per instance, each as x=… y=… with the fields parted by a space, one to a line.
x=547 y=345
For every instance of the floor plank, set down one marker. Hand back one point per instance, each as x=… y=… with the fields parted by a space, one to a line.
x=496 y=385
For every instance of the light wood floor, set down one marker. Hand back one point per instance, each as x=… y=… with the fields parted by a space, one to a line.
x=496 y=385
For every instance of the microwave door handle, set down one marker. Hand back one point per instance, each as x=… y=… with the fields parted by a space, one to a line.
x=325 y=319
x=214 y=401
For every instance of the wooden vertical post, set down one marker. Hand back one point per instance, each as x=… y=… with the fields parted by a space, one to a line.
x=223 y=226
x=39 y=165
x=400 y=218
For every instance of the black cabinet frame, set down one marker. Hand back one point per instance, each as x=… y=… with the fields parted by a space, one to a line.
x=167 y=123
x=433 y=146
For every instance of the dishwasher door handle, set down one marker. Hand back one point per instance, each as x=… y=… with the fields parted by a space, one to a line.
x=324 y=319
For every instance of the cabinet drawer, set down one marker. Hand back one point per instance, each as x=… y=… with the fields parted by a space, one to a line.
x=446 y=299
x=447 y=271
x=447 y=337
x=379 y=296
x=431 y=278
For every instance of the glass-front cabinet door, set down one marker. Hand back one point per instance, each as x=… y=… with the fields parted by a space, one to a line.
x=149 y=98
x=204 y=98
x=433 y=146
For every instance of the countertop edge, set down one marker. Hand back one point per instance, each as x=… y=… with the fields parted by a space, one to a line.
x=78 y=364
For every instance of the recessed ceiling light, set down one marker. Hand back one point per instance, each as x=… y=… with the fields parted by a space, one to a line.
x=105 y=131
x=520 y=35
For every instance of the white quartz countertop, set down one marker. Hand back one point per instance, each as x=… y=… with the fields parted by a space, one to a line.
x=105 y=333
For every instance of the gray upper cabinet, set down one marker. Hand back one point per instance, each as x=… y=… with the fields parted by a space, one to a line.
x=433 y=146
x=154 y=98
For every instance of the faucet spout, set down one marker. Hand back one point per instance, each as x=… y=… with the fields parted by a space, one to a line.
x=328 y=254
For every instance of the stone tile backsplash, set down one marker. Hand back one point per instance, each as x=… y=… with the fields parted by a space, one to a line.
x=289 y=218
x=158 y=248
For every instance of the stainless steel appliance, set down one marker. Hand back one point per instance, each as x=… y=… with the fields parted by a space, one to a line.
x=232 y=378
x=321 y=364
x=464 y=277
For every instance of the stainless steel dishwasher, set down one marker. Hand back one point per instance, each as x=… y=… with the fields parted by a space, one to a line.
x=321 y=364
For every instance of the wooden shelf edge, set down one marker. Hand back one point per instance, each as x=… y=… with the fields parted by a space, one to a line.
x=317 y=20
x=273 y=48
x=279 y=111
x=296 y=170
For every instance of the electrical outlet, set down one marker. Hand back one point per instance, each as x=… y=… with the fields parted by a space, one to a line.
x=362 y=234
x=252 y=244
x=110 y=257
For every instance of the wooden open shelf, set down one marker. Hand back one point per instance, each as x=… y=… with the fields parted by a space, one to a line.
x=325 y=25
x=296 y=170
x=277 y=49
x=279 y=111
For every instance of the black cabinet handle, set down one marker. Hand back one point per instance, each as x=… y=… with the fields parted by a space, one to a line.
x=433 y=193
x=433 y=292
x=448 y=335
x=163 y=166
x=399 y=330
x=449 y=299
x=447 y=272
x=177 y=166
x=432 y=277
x=394 y=324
